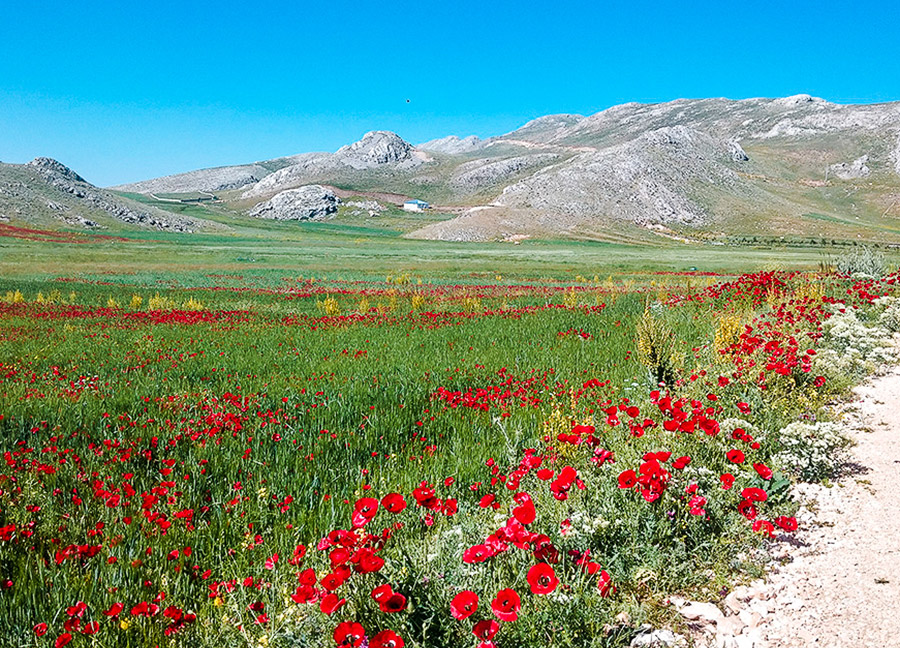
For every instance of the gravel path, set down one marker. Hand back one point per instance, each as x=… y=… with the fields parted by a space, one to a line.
x=842 y=589
x=836 y=582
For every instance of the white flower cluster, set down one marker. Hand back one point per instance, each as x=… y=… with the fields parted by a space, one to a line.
x=890 y=318
x=852 y=348
x=812 y=451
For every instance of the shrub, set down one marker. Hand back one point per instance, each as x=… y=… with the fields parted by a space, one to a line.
x=865 y=261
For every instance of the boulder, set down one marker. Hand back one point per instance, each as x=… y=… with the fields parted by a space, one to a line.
x=310 y=202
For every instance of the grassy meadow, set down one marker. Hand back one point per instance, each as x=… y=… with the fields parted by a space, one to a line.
x=331 y=435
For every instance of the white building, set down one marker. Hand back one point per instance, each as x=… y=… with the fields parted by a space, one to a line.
x=415 y=205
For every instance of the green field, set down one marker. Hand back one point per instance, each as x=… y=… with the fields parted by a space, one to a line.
x=207 y=438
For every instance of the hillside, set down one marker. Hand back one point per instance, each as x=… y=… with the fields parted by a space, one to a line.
x=46 y=193
x=715 y=170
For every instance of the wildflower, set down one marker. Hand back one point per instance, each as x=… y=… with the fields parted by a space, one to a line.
x=464 y=605
x=386 y=639
x=542 y=579
x=485 y=629
x=506 y=605
x=349 y=634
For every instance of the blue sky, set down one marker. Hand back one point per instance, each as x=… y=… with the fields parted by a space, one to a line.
x=121 y=92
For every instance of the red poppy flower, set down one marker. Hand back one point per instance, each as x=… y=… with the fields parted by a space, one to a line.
x=763 y=471
x=396 y=602
x=487 y=500
x=77 y=610
x=382 y=592
x=525 y=512
x=604 y=584
x=627 y=479
x=506 y=605
x=40 y=629
x=542 y=579
x=485 y=629
x=91 y=628
x=349 y=634
x=332 y=581
x=744 y=407
x=477 y=554
x=735 y=456
x=307 y=577
x=62 y=640
x=545 y=474
x=386 y=639
x=727 y=480
x=681 y=463
x=304 y=594
x=754 y=494
x=464 y=605
x=393 y=502
x=747 y=509
x=330 y=603
x=765 y=527
x=787 y=523
x=113 y=610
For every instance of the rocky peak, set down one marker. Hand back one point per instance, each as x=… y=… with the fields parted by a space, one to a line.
x=375 y=148
x=49 y=165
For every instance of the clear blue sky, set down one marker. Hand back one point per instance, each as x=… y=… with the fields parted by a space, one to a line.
x=123 y=92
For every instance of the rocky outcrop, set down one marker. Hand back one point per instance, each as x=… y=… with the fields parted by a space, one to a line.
x=453 y=145
x=478 y=174
x=374 y=149
x=737 y=152
x=311 y=202
x=216 y=179
x=853 y=171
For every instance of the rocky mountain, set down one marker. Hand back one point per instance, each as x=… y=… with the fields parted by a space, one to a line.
x=45 y=192
x=689 y=168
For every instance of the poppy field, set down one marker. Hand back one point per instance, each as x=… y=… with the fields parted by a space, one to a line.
x=405 y=461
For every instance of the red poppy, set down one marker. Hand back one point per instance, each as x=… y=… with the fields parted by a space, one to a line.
x=364 y=510
x=542 y=579
x=477 y=554
x=754 y=494
x=330 y=603
x=747 y=509
x=40 y=629
x=91 y=628
x=506 y=605
x=681 y=463
x=386 y=639
x=765 y=527
x=485 y=629
x=304 y=594
x=349 y=634
x=393 y=502
x=307 y=577
x=113 y=610
x=62 y=640
x=464 y=605
x=604 y=584
x=382 y=592
x=735 y=456
x=727 y=480
x=396 y=602
x=332 y=581
x=627 y=479
x=763 y=471
x=525 y=512
x=787 y=523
